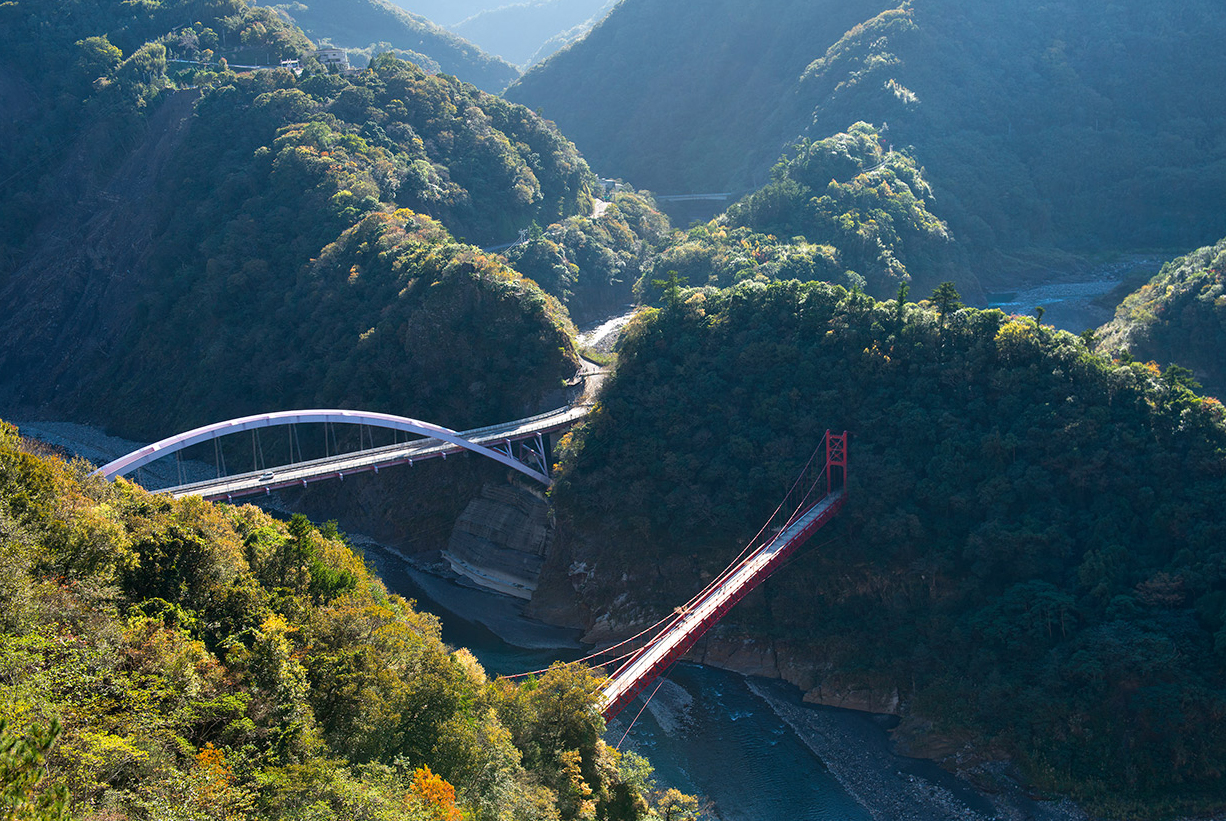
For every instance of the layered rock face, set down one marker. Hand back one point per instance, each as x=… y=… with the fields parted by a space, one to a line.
x=500 y=539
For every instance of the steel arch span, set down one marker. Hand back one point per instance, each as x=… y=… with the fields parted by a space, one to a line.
x=147 y=454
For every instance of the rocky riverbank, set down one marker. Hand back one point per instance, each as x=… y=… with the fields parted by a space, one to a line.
x=895 y=788
x=853 y=745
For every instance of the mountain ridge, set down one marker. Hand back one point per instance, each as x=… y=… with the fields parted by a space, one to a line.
x=1043 y=130
x=363 y=23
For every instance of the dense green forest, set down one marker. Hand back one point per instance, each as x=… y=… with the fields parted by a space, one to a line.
x=846 y=209
x=1032 y=551
x=593 y=263
x=361 y=24
x=1177 y=317
x=182 y=661
x=392 y=315
x=1063 y=126
x=67 y=128
x=870 y=202
x=219 y=232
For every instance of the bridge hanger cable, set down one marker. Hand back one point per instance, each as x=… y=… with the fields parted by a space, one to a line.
x=637 y=715
x=669 y=670
x=678 y=613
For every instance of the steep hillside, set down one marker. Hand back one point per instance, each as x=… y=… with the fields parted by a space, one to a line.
x=846 y=209
x=518 y=32
x=685 y=98
x=449 y=12
x=1030 y=558
x=871 y=203
x=1178 y=317
x=592 y=264
x=1058 y=125
x=228 y=230
x=363 y=23
x=1067 y=124
x=80 y=83
x=177 y=660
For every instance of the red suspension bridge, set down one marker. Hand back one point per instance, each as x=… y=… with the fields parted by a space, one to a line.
x=815 y=497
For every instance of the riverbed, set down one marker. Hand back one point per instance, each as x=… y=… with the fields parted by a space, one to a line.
x=1079 y=300
x=747 y=746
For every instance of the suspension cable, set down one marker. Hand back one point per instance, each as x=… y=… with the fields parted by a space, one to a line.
x=659 y=684
x=680 y=612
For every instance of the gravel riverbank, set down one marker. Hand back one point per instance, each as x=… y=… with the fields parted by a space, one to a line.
x=895 y=788
x=603 y=337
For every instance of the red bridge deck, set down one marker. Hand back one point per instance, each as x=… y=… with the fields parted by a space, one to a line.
x=654 y=659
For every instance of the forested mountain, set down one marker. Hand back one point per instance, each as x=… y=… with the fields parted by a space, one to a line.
x=1177 y=317
x=872 y=204
x=1065 y=125
x=179 y=660
x=267 y=239
x=449 y=12
x=594 y=263
x=528 y=32
x=685 y=98
x=522 y=32
x=1031 y=556
x=846 y=209
x=362 y=24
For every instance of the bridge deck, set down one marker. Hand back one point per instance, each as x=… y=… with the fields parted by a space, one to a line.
x=373 y=459
x=633 y=678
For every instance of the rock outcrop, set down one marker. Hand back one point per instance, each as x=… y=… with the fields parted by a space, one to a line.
x=501 y=538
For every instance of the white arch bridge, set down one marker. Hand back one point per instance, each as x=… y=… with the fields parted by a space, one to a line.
x=520 y=445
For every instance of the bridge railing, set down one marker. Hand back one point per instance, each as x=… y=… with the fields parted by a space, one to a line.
x=823 y=474
x=620 y=692
x=527 y=420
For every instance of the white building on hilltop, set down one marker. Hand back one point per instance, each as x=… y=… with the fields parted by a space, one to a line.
x=330 y=57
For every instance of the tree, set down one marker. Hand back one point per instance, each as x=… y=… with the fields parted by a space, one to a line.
x=947 y=298
x=96 y=57
x=675 y=805
x=1039 y=310
x=1181 y=376
x=672 y=291
x=435 y=794
x=23 y=795
x=900 y=309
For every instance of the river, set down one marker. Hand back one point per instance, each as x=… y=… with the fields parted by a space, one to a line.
x=1076 y=301
x=748 y=746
